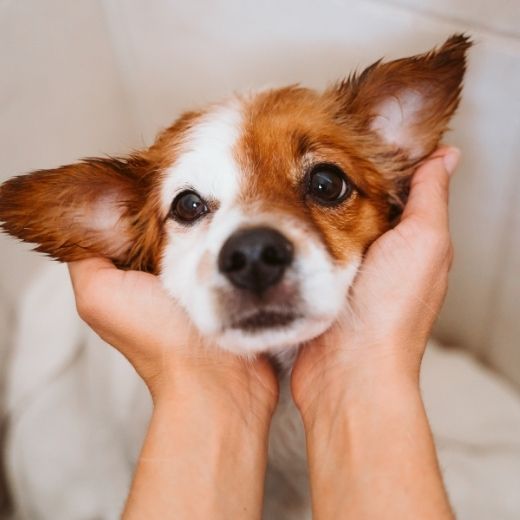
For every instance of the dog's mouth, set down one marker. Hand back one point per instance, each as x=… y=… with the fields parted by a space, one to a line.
x=264 y=319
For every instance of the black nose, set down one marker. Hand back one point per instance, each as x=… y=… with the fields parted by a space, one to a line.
x=255 y=259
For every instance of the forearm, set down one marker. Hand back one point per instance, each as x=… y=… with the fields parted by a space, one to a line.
x=371 y=455
x=199 y=465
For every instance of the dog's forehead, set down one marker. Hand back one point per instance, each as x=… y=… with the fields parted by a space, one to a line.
x=206 y=161
x=244 y=148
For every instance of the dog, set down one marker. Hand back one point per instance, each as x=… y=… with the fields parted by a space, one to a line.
x=255 y=213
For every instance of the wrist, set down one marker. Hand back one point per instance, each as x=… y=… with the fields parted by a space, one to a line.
x=190 y=455
x=362 y=388
x=378 y=434
x=209 y=428
x=213 y=408
x=334 y=370
x=347 y=432
x=223 y=389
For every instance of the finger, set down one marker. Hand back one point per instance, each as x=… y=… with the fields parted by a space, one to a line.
x=83 y=270
x=429 y=189
x=441 y=152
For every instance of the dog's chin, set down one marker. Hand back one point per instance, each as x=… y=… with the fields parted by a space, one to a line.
x=271 y=334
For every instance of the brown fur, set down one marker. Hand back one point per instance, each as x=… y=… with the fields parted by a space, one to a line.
x=286 y=130
x=437 y=74
x=285 y=127
x=53 y=208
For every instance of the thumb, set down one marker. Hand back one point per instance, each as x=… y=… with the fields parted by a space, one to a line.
x=428 y=199
x=82 y=271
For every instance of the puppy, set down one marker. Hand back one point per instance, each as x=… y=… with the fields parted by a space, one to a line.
x=255 y=212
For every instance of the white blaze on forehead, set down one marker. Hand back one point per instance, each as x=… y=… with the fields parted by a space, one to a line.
x=206 y=162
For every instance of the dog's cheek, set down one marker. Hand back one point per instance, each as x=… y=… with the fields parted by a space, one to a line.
x=180 y=274
x=324 y=281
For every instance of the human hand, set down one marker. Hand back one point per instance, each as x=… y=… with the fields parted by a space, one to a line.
x=393 y=302
x=131 y=311
x=212 y=409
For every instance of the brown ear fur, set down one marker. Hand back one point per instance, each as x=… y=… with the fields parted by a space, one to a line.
x=403 y=107
x=98 y=207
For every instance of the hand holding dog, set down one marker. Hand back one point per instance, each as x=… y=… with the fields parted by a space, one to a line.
x=357 y=386
x=212 y=409
x=131 y=311
x=395 y=298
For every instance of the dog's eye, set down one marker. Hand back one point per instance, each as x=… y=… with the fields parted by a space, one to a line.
x=188 y=207
x=328 y=184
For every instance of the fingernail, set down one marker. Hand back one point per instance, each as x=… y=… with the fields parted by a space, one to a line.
x=451 y=159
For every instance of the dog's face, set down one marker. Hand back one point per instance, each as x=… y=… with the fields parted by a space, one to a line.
x=255 y=212
x=267 y=213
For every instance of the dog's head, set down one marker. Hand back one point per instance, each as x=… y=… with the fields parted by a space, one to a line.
x=255 y=212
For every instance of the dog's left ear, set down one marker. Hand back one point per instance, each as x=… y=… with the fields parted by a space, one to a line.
x=97 y=207
x=407 y=103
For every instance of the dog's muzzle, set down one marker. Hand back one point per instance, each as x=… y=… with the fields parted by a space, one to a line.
x=255 y=259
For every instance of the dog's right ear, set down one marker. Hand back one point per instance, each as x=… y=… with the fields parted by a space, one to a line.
x=96 y=207
x=407 y=103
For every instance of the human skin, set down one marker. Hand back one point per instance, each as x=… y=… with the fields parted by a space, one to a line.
x=205 y=452
x=370 y=448
x=356 y=386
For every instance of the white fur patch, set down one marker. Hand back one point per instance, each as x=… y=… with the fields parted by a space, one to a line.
x=207 y=164
x=320 y=313
x=104 y=219
x=396 y=118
